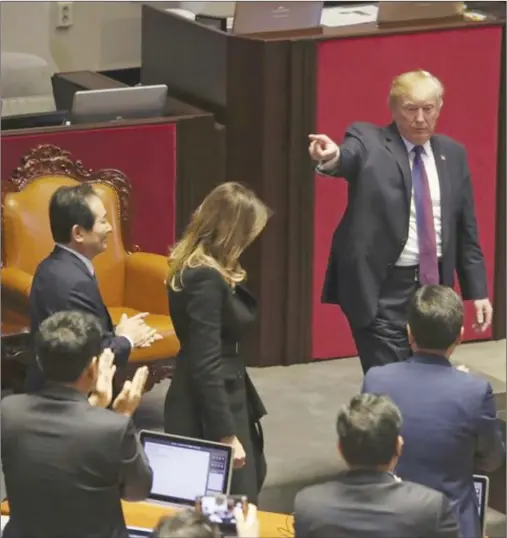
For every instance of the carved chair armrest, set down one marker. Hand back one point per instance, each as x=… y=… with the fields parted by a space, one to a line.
x=16 y=285
x=145 y=283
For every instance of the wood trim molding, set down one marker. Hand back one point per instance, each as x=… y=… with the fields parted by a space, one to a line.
x=300 y=190
x=499 y=299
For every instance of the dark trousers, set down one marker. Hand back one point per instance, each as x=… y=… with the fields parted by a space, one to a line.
x=385 y=339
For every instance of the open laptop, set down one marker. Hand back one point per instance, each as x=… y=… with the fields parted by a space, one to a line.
x=137 y=102
x=263 y=17
x=481 y=484
x=185 y=468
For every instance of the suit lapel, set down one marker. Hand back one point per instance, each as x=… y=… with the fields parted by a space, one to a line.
x=445 y=185
x=61 y=253
x=69 y=257
x=395 y=145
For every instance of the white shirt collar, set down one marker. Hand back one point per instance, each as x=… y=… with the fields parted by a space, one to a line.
x=84 y=259
x=410 y=146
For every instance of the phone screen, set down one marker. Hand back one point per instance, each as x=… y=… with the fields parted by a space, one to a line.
x=220 y=508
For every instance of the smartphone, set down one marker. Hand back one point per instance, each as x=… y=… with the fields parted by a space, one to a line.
x=220 y=509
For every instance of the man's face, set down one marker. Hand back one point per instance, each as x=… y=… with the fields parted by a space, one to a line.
x=94 y=241
x=416 y=118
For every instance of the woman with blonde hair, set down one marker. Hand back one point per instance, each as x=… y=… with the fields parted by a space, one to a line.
x=211 y=395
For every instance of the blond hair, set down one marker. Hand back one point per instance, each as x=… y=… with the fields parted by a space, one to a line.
x=416 y=84
x=225 y=223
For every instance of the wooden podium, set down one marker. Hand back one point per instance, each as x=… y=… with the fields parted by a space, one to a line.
x=270 y=92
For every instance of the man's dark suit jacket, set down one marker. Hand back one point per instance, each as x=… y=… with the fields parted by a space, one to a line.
x=374 y=229
x=449 y=427
x=67 y=465
x=368 y=504
x=63 y=282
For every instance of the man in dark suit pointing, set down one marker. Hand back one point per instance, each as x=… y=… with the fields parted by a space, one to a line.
x=410 y=220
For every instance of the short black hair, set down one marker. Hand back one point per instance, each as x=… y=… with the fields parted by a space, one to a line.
x=69 y=206
x=435 y=317
x=65 y=344
x=186 y=524
x=368 y=429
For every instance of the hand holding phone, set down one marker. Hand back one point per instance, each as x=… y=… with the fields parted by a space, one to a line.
x=247 y=523
x=222 y=509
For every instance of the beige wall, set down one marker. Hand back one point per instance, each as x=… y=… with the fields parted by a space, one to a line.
x=104 y=35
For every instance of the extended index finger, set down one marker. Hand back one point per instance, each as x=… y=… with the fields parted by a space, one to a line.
x=317 y=137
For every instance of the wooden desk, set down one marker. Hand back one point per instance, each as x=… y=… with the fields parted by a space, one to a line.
x=146 y=515
x=15 y=349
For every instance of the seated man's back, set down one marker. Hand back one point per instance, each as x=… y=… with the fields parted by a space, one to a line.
x=449 y=417
x=67 y=464
x=367 y=500
x=372 y=505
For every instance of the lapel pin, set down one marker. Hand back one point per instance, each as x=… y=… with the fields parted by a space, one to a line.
x=442 y=157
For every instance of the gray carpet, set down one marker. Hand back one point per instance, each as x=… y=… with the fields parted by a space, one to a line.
x=302 y=403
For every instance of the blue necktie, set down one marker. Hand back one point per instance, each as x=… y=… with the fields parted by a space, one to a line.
x=427 y=239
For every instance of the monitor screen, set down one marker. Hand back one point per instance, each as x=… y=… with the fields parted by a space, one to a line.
x=184 y=469
x=112 y=104
x=481 y=485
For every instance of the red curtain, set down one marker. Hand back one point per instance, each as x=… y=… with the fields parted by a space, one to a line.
x=146 y=154
x=353 y=80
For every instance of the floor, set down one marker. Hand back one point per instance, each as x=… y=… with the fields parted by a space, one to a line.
x=302 y=402
x=305 y=399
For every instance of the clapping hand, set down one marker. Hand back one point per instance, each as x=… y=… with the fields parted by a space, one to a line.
x=127 y=401
x=135 y=328
x=103 y=390
x=151 y=337
x=247 y=525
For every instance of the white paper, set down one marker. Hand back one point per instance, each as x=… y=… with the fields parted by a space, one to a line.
x=347 y=16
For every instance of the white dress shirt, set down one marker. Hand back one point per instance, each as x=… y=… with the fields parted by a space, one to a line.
x=410 y=254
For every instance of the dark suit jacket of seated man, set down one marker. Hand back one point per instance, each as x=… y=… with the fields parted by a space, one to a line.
x=367 y=500
x=409 y=192
x=65 y=280
x=67 y=464
x=449 y=417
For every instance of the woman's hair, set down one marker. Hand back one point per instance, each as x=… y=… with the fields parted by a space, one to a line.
x=226 y=222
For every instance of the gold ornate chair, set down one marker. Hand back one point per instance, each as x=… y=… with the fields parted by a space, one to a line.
x=130 y=281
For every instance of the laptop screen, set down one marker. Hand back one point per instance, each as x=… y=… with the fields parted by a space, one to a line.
x=185 y=468
x=481 y=484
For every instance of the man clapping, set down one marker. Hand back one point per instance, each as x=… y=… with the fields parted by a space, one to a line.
x=67 y=460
